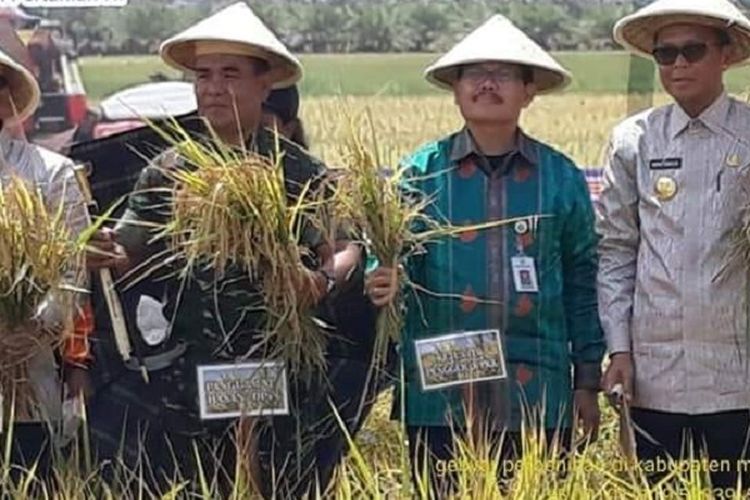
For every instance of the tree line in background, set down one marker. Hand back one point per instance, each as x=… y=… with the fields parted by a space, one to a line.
x=348 y=25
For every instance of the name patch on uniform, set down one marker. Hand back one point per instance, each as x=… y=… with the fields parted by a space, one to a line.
x=665 y=164
x=460 y=358
x=243 y=389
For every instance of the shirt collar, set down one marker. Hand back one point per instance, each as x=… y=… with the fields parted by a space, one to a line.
x=464 y=145
x=712 y=117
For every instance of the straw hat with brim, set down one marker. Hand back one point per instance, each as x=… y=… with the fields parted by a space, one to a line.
x=636 y=32
x=499 y=40
x=235 y=30
x=23 y=88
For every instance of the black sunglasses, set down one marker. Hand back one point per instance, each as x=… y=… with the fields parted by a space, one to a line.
x=692 y=52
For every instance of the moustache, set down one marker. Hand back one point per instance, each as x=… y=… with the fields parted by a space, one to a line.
x=496 y=99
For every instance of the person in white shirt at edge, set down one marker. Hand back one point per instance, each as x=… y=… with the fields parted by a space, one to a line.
x=673 y=308
x=54 y=176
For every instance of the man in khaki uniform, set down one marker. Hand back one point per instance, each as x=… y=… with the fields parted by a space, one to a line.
x=54 y=177
x=674 y=309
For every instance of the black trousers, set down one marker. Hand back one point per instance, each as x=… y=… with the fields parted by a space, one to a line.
x=33 y=445
x=722 y=437
x=433 y=454
x=349 y=390
x=129 y=421
x=133 y=432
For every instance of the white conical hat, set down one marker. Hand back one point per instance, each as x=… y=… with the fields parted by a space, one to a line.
x=498 y=39
x=23 y=87
x=636 y=32
x=233 y=30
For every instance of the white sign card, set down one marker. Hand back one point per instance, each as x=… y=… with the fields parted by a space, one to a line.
x=460 y=358
x=243 y=389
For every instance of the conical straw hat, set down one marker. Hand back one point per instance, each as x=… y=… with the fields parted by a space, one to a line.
x=636 y=32
x=233 y=30
x=498 y=39
x=23 y=88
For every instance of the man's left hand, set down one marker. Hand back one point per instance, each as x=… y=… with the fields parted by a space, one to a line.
x=104 y=252
x=587 y=408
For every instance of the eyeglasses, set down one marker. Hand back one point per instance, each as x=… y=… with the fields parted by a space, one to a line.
x=666 y=55
x=476 y=74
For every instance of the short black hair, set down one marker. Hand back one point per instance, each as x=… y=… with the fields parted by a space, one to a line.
x=527 y=74
x=723 y=36
x=283 y=103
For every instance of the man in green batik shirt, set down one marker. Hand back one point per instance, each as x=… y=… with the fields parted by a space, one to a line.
x=533 y=281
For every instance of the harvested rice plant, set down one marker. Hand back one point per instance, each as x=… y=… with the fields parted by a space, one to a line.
x=37 y=257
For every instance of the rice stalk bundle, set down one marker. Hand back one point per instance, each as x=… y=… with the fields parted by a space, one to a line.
x=36 y=252
x=231 y=207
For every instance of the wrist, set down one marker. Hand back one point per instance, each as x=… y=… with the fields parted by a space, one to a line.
x=587 y=376
x=620 y=355
x=329 y=281
x=585 y=390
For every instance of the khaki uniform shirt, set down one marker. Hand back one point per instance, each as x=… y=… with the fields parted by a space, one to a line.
x=672 y=196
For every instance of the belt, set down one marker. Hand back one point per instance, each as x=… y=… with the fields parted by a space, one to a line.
x=157 y=361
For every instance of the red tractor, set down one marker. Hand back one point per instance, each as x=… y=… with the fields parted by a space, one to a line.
x=40 y=44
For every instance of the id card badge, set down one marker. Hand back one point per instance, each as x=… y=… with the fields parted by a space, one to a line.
x=524 y=274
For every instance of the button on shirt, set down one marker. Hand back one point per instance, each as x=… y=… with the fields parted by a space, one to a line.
x=672 y=196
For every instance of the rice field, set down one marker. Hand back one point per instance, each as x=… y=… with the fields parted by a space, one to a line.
x=385 y=74
x=578 y=123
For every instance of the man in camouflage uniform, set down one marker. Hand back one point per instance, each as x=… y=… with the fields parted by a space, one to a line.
x=236 y=61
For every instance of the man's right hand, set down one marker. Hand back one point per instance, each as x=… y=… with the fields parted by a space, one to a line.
x=619 y=372
x=381 y=285
x=104 y=251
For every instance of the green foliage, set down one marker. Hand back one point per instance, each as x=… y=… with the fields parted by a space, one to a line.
x=348 y=25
